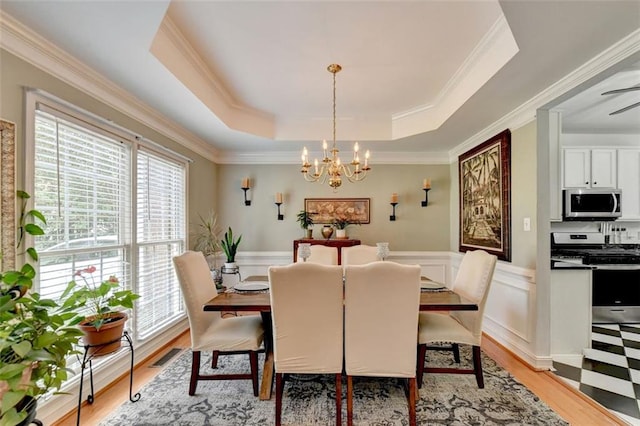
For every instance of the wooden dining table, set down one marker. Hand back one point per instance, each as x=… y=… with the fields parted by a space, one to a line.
x=446 y=300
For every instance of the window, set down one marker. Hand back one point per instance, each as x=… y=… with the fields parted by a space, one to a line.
x=84 y=179
x=160 y=237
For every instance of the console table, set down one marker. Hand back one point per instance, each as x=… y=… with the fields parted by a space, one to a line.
x=330 y=243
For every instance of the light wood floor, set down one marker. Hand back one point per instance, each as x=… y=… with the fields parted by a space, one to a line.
x=572 y=406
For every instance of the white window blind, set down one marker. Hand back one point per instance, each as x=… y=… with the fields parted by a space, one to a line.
x=82 y=185
x=161 y=236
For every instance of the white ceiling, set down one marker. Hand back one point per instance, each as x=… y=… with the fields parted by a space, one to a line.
x=418 y=76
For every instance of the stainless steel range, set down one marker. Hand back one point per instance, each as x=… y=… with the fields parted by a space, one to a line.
x=616 y=273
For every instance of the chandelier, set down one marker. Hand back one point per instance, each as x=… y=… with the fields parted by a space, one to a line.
x=333 y=169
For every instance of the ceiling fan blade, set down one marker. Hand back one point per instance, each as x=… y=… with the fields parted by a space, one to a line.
x=626 y=89
x=627 y=108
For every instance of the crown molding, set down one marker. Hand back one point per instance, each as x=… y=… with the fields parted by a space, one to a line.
x=291 y=157
x=178 y=55
x=526 y=112
x=29 y=46
x=496 y=48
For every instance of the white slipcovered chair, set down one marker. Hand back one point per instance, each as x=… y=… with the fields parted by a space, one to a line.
x=359 y=255
x=382 y=302
x=323 y=255
x=209 y=332
x=460 y=327
x=307 y=318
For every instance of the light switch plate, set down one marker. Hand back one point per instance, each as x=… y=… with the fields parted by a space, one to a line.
x=527 y=224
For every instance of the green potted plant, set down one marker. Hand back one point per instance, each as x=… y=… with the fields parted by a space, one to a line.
x=37 y=334
x=104 y=323
x=306 y=222
x=230 y=248
x=341 y=223
x=208 y=242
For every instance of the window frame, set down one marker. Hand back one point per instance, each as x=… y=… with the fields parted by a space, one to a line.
x=37 y=99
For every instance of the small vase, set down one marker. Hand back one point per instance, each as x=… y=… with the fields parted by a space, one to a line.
x=327 y=231
x=309 y=233
x=341 y=234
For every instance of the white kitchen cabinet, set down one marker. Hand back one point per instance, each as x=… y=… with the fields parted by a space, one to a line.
x=629 y=182
x=589 y=168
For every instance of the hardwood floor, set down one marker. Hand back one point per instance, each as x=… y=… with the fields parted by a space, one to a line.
x=574 y=407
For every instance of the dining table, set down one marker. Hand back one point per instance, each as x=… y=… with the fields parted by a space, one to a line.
x=437 y=299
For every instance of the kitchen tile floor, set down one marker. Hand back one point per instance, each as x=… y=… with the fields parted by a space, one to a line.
x=610 y=370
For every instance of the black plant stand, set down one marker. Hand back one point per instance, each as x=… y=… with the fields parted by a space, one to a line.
x=86 y=361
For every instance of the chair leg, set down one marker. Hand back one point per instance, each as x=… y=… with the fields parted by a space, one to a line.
x=195 y=372
x=477 y=366
x=422 y=350
x=214 y=359
x=253 y=360
x=349 y=401
x=339 y=399
x=412 y=401
x=456 y=352
x=279 y=391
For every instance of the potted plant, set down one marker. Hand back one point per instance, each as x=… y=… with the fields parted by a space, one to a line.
x=341 y=223
x=230 y=248
x=208 y=242
x=103 y=325
x=306 y=222
x=37 y=334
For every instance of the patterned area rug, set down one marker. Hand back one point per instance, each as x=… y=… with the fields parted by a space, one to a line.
x=444 y=399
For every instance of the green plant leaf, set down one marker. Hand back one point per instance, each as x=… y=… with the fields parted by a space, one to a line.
x=39 y=215
x=33 y=229
x=22 y=348
x=33 y=254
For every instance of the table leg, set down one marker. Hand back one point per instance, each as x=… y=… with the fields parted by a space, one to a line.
x=268 y=368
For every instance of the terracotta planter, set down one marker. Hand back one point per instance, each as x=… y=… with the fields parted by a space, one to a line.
x=108 y=338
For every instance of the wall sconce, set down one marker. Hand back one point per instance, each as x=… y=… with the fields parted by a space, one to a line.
x=245 y=187
x=426 y=186
x=394 y=203
x=279 y=203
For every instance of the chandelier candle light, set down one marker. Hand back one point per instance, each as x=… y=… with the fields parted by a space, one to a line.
x=332 y=168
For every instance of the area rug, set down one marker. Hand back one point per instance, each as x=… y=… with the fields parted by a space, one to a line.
x=444 y=399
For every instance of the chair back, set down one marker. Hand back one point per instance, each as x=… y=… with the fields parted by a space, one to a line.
x=197 y=287
x=472 y=282
x=323 y=255
x=359 y=255
x=307 y=318
x=382 y=302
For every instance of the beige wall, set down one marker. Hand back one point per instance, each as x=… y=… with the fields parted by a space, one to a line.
x=17 y=75
x=523 y=197
x=416 y=228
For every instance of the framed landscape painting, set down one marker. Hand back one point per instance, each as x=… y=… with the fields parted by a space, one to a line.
x=485 y=197
x=325 y=210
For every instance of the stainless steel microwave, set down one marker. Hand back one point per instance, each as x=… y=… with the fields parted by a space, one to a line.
x=591 y=204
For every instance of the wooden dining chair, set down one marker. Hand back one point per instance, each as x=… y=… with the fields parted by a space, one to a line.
x=209 y=332
x=323 y=255
x=359 y=255
x=459 y=327
x=382 y=302
x=307 y=318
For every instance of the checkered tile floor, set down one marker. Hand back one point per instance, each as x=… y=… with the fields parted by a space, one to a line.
x=610 y=370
